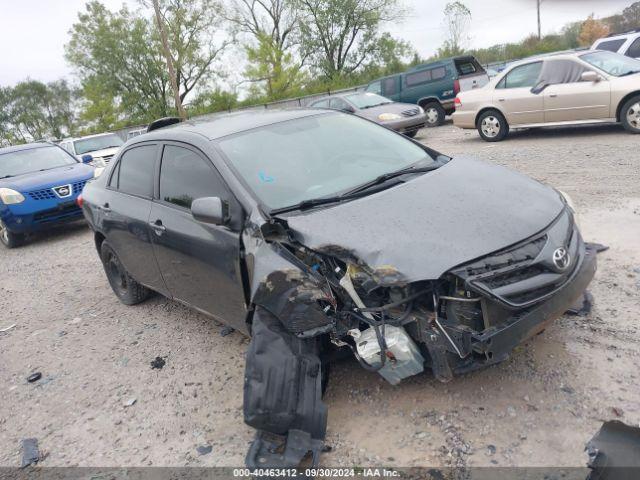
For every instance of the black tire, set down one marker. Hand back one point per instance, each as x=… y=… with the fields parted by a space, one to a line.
x=10 y=239
x=124 y=286
x=411 y=134
x=434 y=114
x=630 y=115
x=492 y=126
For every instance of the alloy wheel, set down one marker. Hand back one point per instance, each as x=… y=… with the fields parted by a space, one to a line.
x=432 y=115
x=4 y=233
x=633 y=115
x=490 y=126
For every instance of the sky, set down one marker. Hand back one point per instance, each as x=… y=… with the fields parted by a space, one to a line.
x=33 y=32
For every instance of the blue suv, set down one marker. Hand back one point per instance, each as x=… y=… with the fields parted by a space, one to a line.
x=39 y=186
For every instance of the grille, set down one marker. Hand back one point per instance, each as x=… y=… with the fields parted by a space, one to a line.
x=411 y=112
x=67 y=211
x=107 y=158
x=44 y=194
x=78 y=186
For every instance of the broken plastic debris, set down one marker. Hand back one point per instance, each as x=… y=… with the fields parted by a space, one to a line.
x=226 y=331
x=582 y=307
x=598 y=247
x=30 y=452
x=34 y=377
x=6 y=329
x=204 y=449
x=158 y=363
x=130 y=402
x=614 y=452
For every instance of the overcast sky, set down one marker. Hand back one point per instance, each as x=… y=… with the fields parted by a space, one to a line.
x=33 y=32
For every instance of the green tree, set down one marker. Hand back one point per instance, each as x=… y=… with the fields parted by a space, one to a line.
x=340 y=36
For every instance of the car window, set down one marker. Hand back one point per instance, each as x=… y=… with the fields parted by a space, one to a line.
x=136 y=171
x=390 y=86
x=41 y=157
x=375 y=87
x=113 y=181
x=416 y=78
x=438 y=73
x=338 y=104
x=610 y=45
x=634 y=49
x=612 y=63
x=320 y=104
x=185 y=176
x=466 y=67
x=524 y=76
x=92 y=144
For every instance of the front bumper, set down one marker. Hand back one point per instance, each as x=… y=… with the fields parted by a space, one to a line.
x=26 y=220
x=408 y=124
x=496 y=343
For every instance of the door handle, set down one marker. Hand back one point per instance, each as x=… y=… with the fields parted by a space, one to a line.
x=501 y=99
x=158 y=227
x=105 y=208
x=553 y=95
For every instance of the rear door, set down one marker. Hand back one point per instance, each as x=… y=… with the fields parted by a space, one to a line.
x=572 y=99
x=200 y=263
x=125 y=214
x=514 y=97
x=470 y=73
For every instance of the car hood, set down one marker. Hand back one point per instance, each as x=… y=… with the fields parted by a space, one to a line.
x=49 y=178
x=421 y=229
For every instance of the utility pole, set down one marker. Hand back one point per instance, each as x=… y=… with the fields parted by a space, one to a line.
x=167 y=53
x=539 y=27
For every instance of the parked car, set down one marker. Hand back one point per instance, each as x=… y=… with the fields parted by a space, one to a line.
x=401 y=117
x=98 y=149
x=574 y=88
x=317 y=232
x=39 y=184
x=433 y=86
x=627 y=43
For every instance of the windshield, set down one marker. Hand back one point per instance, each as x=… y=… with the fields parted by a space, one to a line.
x=612 y=63
x=92 y=144
x=17 y=163
x=367 y=100
x=314 y=157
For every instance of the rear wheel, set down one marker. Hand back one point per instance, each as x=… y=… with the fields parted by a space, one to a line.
x=434 y=114
x=10 y=239
x=492 y=126
x=124 y=286
x=630 y=115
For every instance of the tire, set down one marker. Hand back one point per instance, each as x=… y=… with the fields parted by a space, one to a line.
x=434 y=114
x=10 y=239
x=630 y=115
x=492 y=126
x=123 y=285
x=411 y=134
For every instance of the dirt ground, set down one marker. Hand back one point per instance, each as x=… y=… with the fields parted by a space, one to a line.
x=536 y=409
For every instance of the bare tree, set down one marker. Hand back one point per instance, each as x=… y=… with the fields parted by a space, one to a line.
x=457 y=20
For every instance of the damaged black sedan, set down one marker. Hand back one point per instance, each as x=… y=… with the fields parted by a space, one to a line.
x=320 y=232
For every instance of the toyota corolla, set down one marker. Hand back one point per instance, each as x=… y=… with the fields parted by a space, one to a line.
x=318 y=232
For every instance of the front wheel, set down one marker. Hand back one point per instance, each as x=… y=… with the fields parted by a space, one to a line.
x=434 y=114
x=631 y=115
x=10 y=239
x=123 y=285
x=492 y=126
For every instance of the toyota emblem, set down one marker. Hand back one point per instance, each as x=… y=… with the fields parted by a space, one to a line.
x=561 y=259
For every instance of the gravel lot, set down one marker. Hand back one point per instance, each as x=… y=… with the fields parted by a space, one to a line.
x=536 y=409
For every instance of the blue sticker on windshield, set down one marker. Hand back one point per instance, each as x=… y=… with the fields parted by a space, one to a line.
x=265 y=178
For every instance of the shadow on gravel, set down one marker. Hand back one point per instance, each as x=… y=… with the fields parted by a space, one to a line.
x=549 y=133
x=56 y=234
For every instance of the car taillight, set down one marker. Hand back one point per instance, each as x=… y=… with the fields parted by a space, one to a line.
x=80 y=201
x=456 y=87
x=457 y=102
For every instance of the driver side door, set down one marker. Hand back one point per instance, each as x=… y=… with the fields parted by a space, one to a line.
x=513 y=95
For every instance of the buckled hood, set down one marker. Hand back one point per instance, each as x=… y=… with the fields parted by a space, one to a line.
x=422 y=228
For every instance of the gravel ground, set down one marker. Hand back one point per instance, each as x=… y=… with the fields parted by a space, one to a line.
x=99 y=402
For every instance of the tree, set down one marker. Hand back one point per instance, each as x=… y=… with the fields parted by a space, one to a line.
x=457 y=19
x=339 y=36
x=591 y=31
x=629 y=19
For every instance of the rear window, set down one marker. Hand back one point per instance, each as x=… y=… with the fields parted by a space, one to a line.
x=467 y=67
x=611 y=45
x=135 y=171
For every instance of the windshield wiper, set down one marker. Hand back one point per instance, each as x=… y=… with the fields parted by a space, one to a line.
x=6 y=176
x=355 y=193
x=632 y=72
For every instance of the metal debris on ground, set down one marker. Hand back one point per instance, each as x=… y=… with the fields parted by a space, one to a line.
x=30 y=452
x=34 y=377
x=226 y=331
x=598 y=247
x=158 y=363
x=583 y=305
x=130 y=402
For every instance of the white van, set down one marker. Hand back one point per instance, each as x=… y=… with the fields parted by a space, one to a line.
x=624 y=43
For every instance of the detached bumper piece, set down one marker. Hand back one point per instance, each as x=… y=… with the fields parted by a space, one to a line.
x=614 y=452
x=283 y=396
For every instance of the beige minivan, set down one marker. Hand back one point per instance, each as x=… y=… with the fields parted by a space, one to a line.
x=569 y=88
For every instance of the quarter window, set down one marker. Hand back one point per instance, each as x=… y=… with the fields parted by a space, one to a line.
x=524 y=76
x=417 y=78
x=135 y=171
x=185 y=176
x=634 y=49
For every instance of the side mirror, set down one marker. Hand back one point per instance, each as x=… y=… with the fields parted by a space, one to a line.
x=211 y=210
x=87 y=158
x=590 y=76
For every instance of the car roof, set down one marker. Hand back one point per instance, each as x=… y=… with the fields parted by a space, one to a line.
x=25 y=146
x=614 y=36
x=544 y=56
x=73 y=139
x=222 y=125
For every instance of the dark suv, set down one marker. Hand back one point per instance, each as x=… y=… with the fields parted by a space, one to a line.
x=320 y=233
